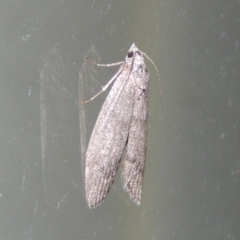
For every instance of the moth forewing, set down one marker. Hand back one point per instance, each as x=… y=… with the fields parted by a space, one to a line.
x=108 y=139
x=122 y=120
x=134 y=162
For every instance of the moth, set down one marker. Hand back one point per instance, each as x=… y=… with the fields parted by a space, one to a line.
x=121 y=125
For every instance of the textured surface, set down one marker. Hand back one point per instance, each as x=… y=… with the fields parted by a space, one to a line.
x=122 y=122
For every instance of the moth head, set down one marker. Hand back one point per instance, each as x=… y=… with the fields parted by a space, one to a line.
x=133 y=48
x=133 y=52
x=130 y=54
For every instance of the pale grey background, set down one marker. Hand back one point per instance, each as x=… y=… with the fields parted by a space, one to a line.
x=192 y=178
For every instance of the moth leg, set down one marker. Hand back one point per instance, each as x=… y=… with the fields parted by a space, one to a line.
x=104 y=65
x=105 y=87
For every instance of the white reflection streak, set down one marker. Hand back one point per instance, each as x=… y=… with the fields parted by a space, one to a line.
x=44 y=79
x=36 y=206
x=23 y=181
x=43 y=123
x=143 y=220
x=63 y=200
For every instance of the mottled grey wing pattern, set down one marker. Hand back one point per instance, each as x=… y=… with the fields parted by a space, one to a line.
x=122 y=120
x=108 y=139
x=134 y=162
